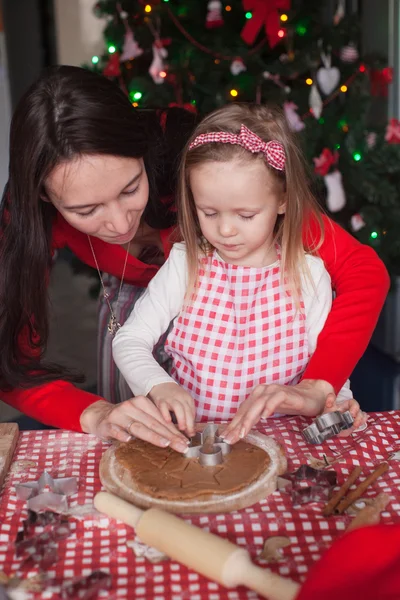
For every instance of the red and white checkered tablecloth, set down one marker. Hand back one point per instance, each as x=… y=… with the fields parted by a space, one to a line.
x=100 y=543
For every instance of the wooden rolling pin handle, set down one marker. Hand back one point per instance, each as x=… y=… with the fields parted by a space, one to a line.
x=211 y=556
x=116 y=508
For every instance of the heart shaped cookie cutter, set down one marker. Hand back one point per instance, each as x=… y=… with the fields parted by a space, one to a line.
x=209 y=453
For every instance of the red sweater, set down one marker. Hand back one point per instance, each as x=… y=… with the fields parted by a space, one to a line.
x=358 y=277
x=363 y=564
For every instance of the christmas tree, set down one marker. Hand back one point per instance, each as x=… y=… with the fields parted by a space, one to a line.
x=302 y=55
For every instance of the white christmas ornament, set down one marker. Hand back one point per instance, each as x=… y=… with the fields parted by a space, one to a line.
x=315 y=102
x=340 y=12
x=214 y=18
x=131 y=48
x=357 y=222
x=328 y=77
x=349 y=54
x=371 y=139
x=237 y=66
x=295 y=123
x=336 y=199
x=157 y=65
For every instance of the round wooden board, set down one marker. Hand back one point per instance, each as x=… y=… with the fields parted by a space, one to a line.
x=117 y=480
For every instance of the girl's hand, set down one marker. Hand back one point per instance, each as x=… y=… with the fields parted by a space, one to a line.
x=171 y=397
x=137 y=417
x=359 y=416
x=306 y=398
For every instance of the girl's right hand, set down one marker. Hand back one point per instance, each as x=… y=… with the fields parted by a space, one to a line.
x=172 y=398
x=137 y=417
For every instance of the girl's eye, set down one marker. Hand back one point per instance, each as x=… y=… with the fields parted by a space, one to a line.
x=247 y=217
x=129 y=192
x=210 y=214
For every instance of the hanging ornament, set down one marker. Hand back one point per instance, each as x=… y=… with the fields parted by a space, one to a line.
x=392 y=135
x=214 y=18
x=357 y=222
x=157 y=69
x=315 y=102
x=295 y=123
x=370 y=138
x=264 y=13
x=349 y=54
x=340 y=12
x=237 y=66
x=131 y=48
x=328 y=77
x=336 y=198
x=112 y=68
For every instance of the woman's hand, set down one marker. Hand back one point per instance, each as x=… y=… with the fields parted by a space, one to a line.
x=171 y=397
x=306 y=398
x=360 y=417
x=136 y=417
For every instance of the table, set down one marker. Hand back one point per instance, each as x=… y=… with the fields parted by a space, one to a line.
x=99 y=543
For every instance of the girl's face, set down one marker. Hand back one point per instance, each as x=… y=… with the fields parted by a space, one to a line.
x=100 y=195
x=237 y=205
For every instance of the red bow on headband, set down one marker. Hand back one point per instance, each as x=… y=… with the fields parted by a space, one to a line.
x=265 y=12
x=273 y=151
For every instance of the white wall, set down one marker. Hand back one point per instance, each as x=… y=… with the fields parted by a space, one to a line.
x=79 y=32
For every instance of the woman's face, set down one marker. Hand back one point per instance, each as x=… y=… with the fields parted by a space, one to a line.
x=100 y=195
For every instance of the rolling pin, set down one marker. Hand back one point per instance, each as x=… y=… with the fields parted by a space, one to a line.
x=211 y=556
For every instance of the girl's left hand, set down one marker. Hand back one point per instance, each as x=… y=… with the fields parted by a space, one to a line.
x=359 y=416
x=306 y=398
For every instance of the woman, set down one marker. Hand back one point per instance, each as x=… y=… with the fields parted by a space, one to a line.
x=82 y=174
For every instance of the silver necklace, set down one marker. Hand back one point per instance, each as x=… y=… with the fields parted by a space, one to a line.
x=113 y=324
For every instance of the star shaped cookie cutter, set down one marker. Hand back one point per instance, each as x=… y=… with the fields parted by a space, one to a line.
x=209 y=453
x=322 y=482
x=47 y=492
x=326 y=426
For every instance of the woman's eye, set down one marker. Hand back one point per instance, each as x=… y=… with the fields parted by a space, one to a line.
x=87 y=214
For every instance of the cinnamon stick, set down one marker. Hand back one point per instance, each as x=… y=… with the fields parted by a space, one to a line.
x=336 y=498
x=357 y=493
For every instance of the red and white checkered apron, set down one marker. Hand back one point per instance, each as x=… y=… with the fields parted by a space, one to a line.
x=241 y=330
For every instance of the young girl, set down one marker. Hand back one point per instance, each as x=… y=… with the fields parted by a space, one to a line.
x=248 y=300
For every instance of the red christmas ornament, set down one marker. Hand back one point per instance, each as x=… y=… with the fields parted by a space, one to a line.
x=392 y=135
x=112 y=68
x=325 y=161
x=265 y=13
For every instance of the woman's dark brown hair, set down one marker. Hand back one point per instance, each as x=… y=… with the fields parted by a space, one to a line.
x=69 y=111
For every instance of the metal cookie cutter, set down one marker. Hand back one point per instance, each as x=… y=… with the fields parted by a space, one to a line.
x=320 y=482
x=211 y=454
x=327 y=425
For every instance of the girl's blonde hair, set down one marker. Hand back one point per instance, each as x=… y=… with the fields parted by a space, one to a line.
x=269 y=123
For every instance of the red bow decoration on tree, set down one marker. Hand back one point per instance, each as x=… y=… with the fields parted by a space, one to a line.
x=186 y=105
x=392 y=135
x=265 y=12
x=380 y=79
x=325 y=161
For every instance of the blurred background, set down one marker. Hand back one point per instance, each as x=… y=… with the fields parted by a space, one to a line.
x=334 y=67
